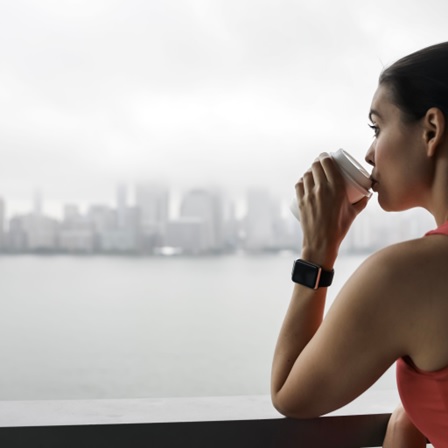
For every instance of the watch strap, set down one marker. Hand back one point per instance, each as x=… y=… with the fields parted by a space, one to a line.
x=326 y=277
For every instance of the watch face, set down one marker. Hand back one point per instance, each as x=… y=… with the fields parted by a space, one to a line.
x=305 y=273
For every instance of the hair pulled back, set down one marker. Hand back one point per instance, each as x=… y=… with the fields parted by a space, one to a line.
x=419 y=81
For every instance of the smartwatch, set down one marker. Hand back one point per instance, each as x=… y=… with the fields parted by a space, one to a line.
x=311 y=275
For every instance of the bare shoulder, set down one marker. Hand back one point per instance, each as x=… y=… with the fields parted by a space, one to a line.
x=386 y=290
x=376 y=298
x=403 y=288
x=410 y=264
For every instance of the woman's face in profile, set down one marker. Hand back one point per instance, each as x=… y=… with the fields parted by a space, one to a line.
x=396 y=154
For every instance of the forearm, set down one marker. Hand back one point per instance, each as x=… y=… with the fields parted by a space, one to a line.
x=301 y=322
x=303 y=318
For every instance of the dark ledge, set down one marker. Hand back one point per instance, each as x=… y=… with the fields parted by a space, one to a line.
x=212 y=422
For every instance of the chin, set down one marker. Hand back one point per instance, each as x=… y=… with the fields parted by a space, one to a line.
x=389 y=206
x=384 y=204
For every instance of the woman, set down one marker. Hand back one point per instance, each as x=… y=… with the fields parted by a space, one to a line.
x=395 y=306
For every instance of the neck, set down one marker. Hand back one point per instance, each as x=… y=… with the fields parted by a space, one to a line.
x=438 y=198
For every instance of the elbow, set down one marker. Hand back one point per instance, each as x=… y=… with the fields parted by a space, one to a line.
x=293 y=408
x=281 y=408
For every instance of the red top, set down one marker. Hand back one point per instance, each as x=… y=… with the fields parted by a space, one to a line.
x=441 y=230
x=424 y=395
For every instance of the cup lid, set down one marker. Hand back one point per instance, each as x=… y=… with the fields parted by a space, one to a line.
x=352 y=168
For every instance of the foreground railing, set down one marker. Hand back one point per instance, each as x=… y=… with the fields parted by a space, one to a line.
x=211 y=422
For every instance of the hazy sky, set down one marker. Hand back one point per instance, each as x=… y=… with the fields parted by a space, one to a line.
x=192 y=92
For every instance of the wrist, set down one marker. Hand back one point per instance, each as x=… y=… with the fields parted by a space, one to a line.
x=324 y=258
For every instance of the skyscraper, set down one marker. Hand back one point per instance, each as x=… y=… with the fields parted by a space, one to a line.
x=259 y=220
x=205 y=206
x=152 y=201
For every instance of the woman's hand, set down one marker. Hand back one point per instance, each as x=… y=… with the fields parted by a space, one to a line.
x=325 y=212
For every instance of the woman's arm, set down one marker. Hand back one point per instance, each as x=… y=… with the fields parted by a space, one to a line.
x=321 y=198
x=320 y=365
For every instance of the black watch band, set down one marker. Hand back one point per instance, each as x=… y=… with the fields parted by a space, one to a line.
x=311 y=275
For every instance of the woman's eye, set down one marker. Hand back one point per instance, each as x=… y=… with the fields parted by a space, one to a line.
x=376 y=129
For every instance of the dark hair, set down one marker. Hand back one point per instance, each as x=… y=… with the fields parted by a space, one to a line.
x=419 y=81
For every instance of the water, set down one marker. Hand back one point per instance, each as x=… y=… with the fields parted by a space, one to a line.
x=105 y=327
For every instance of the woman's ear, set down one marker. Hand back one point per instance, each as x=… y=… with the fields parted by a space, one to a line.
x=434 y=130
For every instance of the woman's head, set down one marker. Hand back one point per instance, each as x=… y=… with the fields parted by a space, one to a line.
x=409 y=113
x=419 y=81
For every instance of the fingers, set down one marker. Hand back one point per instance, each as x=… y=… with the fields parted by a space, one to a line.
x=300 y=188
x=322 y=171
x=331 y=170
x=316 y=174
x=308 y=181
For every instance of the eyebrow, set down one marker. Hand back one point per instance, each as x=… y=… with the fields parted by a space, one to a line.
x=373 y=112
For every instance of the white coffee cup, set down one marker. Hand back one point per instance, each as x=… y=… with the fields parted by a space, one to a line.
x=357 y=179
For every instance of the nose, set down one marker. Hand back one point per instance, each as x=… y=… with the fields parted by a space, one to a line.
x=370 y=155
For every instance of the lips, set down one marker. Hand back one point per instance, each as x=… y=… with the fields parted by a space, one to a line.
x=374 y=183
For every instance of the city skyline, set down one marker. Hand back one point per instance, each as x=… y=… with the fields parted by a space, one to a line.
x=206 y=221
